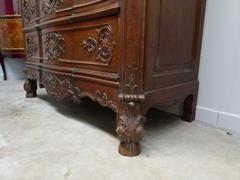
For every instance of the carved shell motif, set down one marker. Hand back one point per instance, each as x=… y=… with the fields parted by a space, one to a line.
x=54 y=45
x=101 y=44
x=28 y=10
x=50 y=6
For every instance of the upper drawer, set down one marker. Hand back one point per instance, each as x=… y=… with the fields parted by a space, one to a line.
x=80 y=6
x=49 y=9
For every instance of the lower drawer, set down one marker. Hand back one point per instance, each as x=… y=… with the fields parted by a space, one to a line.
x=65 y=87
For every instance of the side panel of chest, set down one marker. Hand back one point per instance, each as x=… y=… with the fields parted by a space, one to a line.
x=173 y=41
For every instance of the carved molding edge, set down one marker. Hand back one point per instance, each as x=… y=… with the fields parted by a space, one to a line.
x=62 y=88
x=50 y=6
x=101 y=44
x=54 y=45
x=32 y=46
x=28 y=10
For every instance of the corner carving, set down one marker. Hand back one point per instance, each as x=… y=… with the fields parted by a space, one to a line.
x=50 y=6
x=130 y=122
x=54 y=45
x=130 y=94
x=101 y=44
x=31 y=46
x=28 y=10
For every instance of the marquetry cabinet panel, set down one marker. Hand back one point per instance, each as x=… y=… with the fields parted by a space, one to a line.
x=128 y=55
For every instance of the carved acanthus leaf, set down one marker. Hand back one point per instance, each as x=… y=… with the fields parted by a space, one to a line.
x=130 y=128
x=101 y=44
x=130 y=122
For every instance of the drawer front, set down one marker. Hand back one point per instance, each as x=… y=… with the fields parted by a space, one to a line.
x=90 y=45
x=56 y=45
x=50 y=9
x=88 y=5
x=29 y=12
x=32 y=46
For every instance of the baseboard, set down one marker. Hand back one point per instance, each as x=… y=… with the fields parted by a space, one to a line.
x=222 y=120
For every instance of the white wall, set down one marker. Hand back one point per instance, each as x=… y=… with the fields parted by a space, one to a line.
x=219 y=95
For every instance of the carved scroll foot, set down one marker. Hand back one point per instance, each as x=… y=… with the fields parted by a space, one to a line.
x=30 y=86
x=189 y=108
x=130 y=130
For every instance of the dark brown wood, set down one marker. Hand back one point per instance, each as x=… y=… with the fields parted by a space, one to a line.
x=3 y=67
x=30 y=86
x=128 y=55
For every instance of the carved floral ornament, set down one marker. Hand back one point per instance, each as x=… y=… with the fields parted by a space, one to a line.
x=31 y=46
x=62 y=88
x=54 y=45
x=131 y=85
x=50 y=6
x=28 y=10
x=101 y=45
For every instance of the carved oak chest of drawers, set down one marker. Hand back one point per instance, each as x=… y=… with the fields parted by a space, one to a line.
x=128 y=55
